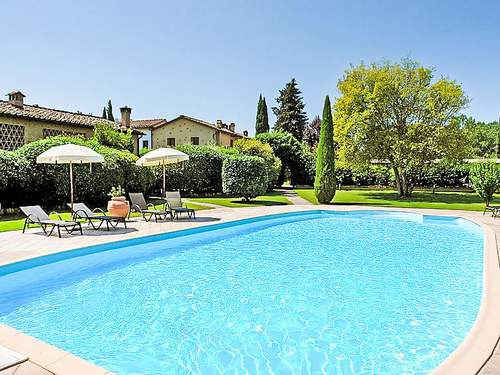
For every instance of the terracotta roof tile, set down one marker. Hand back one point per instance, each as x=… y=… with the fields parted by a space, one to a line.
x=148 y=123
x=34 y=112
x=209 y=124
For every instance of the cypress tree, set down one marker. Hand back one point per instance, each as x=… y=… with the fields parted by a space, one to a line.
x=265 y=123
x=104 y=114
x=290 y=114
x=261 y=121
x=110 y=111
x=258 y=117
x=324 y=183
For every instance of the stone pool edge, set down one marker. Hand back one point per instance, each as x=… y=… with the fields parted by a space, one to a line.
x=470 y=357
x=478 y=347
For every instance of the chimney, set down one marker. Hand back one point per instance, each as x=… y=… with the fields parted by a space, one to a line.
x=245 y=133
x=232 y=126
x=125 y=116
x=219 y=124
x=16 y=98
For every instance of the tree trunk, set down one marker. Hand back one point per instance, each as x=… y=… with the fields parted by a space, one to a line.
x=402 y=183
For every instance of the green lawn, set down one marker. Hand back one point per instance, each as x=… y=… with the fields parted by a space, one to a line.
x=8 y=223
x=389 y=198
x=271 y=199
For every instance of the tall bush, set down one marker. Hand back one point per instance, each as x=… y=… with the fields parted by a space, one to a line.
x=254 y=147
x=485 y=178
x=244 y=176
x=324 y=183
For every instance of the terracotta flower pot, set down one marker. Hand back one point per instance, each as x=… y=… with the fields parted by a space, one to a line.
x=118 y=206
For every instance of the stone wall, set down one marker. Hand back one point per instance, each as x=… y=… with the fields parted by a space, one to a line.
x=35 y=130
x=183 y=129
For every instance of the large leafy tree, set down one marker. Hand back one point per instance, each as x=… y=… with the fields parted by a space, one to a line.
x=324 y=182
x=397 y=114
x=290 y=114
x=483 y=138
x=311 y=132
x=262 y=120
x=110 y=111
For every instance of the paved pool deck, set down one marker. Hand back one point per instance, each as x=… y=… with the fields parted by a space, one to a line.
x=476 y=355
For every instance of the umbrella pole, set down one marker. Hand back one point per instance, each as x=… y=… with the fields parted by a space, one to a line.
x=71 y=183
x=164 y=190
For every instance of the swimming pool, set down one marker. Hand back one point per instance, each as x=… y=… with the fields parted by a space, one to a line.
x=358 y=292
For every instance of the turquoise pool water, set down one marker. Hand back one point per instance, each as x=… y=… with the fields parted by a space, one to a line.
x=315 y=292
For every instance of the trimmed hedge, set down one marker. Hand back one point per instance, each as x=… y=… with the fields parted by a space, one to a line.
x=244 y=176
x=438 y=175
x=24 y=182
x=253 y=147
x=202 y=174
x=48 y=184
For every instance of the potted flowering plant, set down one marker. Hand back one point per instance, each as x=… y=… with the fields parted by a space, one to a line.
x=117 y=206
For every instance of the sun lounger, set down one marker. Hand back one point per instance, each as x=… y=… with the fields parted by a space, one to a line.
x=147 y=210
x=81 y=211
x=36 y=215
x=176 y=206
x=495 y=210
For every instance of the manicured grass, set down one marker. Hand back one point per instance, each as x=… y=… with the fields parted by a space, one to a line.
x=389 y=198
x=271 y=199
x=17 y=222
x=8 y=223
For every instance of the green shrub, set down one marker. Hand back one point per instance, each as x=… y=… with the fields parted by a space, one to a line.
x=10 y=186
x=7 y=168
x=143 y=151
x=254 y=147
x=244 y=176
x=370 y=175
x=485 y=178
x=201 y=174
x=106 y=135
x=443 y=175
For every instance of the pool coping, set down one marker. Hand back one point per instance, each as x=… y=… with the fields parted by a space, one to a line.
x=468 y=358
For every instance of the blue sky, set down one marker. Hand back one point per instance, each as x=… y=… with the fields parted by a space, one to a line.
x=212 y=59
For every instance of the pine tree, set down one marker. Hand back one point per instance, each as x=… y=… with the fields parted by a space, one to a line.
x=104 y=114
x=324 y=183
x=110 y=111
x=290 y=114
x=261 y=121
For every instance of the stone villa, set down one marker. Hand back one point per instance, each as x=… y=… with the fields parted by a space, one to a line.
x=21 y=123
x=184 y=129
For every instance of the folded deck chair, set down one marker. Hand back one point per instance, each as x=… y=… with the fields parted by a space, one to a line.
x=81 y=211
x=36 y=215
x=495 y=210
x=176 y=206
x=147 y=210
